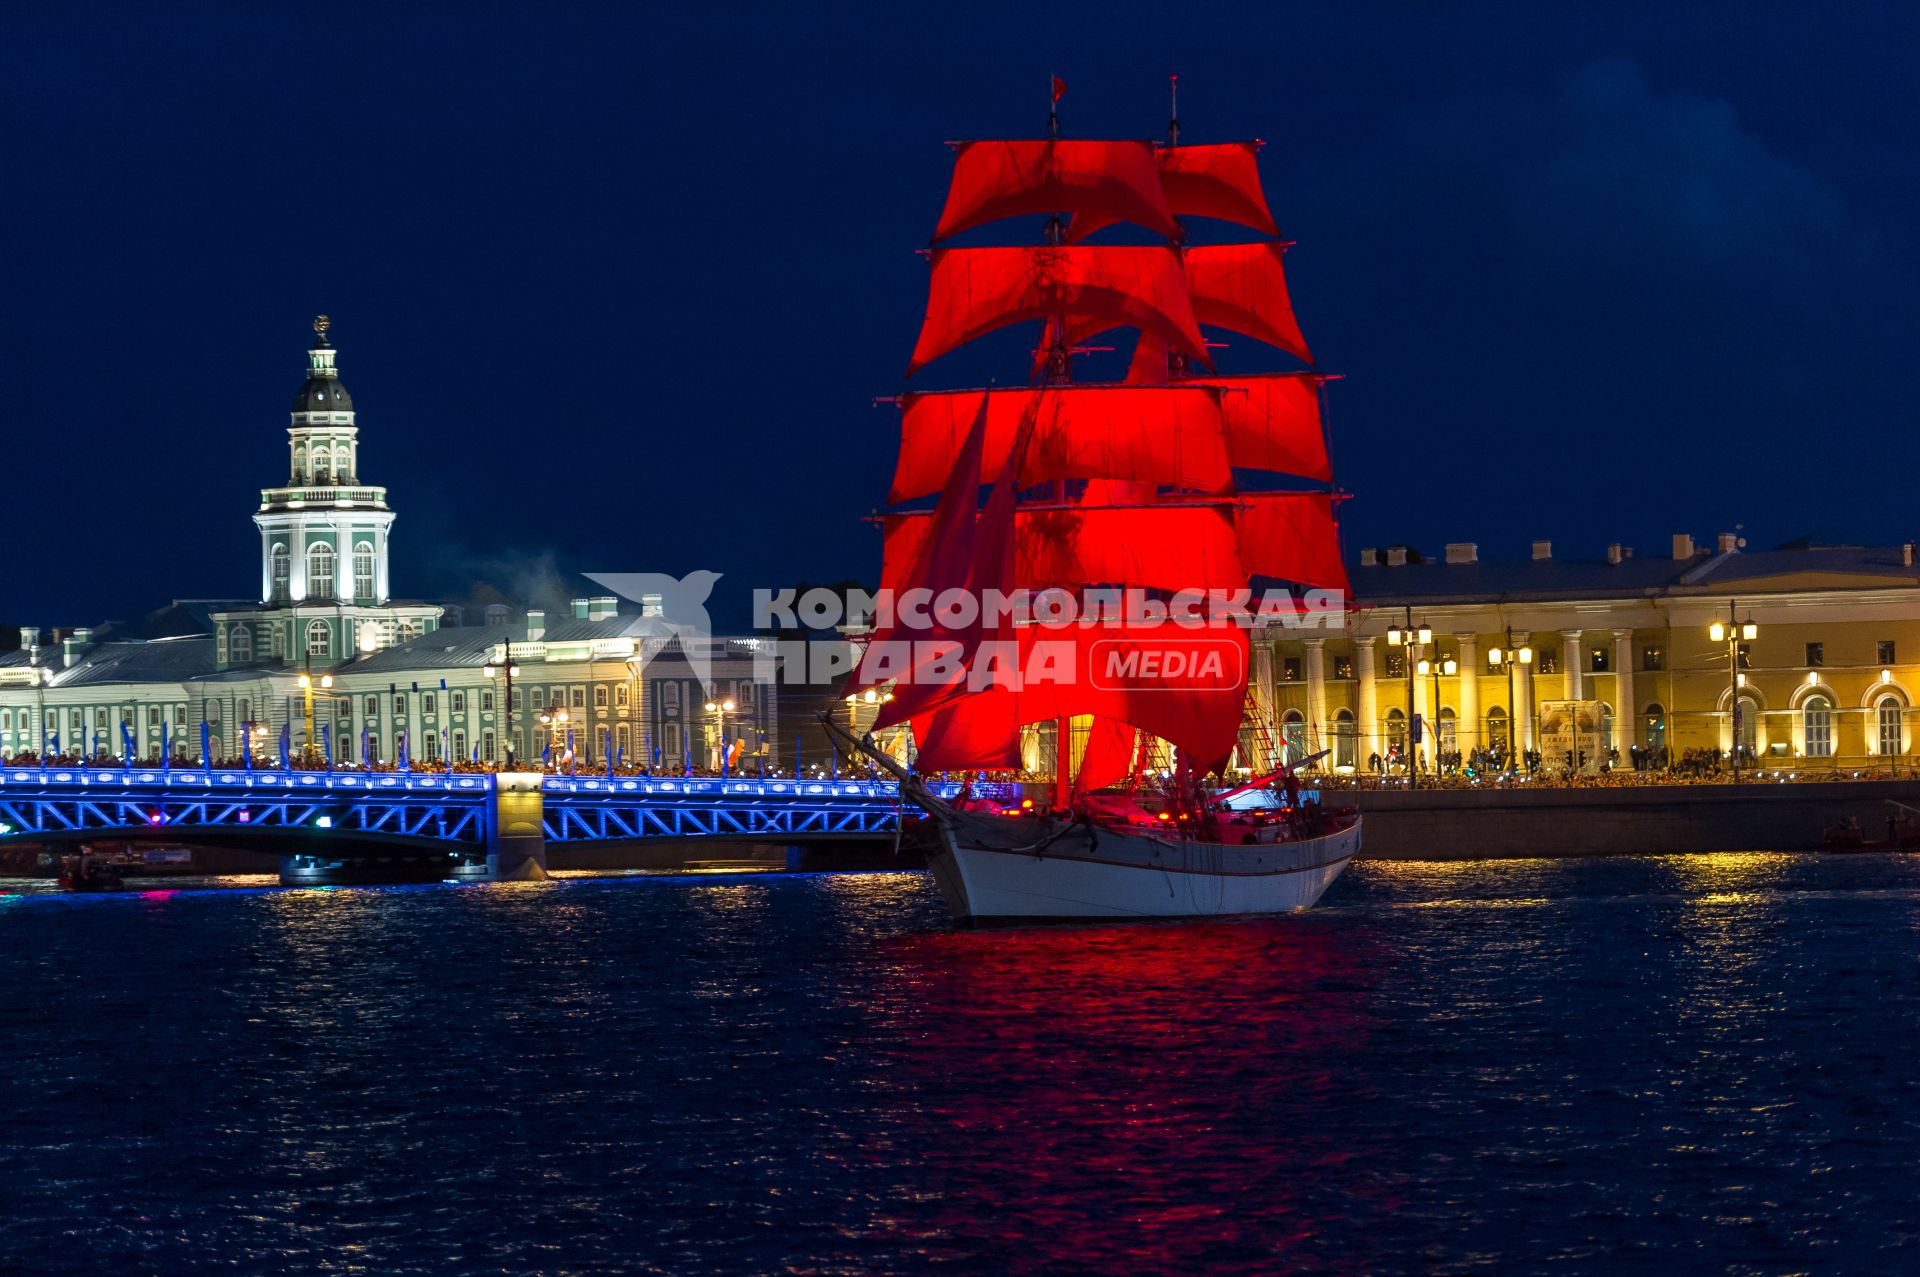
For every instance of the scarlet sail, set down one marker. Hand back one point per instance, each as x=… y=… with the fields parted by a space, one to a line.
x=1220 y=181
x=1161 y=547
x=1111 y=181
x=976 y=290
x=1079 y=432
x=1131 y=485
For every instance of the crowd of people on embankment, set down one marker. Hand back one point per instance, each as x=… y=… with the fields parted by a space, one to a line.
x=1484 y=768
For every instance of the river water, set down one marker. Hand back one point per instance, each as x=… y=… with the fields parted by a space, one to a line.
x=1676 y=1064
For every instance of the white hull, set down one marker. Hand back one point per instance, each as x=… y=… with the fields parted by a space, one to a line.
x=1005 y=867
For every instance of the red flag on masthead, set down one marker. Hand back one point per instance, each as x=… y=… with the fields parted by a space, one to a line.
x=1059 y=88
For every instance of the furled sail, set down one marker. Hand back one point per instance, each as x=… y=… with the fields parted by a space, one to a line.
x=976 y=290
x=1112 y=181
x=1078 y=432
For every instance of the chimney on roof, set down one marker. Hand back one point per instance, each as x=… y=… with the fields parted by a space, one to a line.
x=1396 y=556
x=536 y=624
x=581 y=609
x=497 y=613
x=1729 y=542
x=1906 y=555
x=1542 y=550
x=650 y=605
x=29 y=637
x=1369 y=557
x=1682 y=546
x=1462 y=552
x=601 y=607
x=1615 y=553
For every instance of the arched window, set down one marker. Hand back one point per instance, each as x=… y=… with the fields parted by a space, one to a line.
x=1293 y=736
x=1817 y=719
x=280 y=567
x=322 y=468
x=240 y=643
x=319 y=641
x=1448 y=731
x=300 y=464
x=1345 y=740
x=1497 y=730
x=1748 y=724
x=320 y=571
x=1396 y=736
x=363 y=571
x=342 y=470
x=1887 y=719
x=1656 y=720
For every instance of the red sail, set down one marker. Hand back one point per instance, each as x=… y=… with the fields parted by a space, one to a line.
x=1164 y=547
x=1079 y=432
x=1108 y=755
x=1201 y=715
x=976 y=290
x=1243 y=287
x=1291 y=536
x=1220 y=181
x=1273 y=423
x=1112 y=181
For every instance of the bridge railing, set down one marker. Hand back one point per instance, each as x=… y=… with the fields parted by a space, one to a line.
x=200 y=780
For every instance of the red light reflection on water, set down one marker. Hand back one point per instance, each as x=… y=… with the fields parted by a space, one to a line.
x=1118 y=1097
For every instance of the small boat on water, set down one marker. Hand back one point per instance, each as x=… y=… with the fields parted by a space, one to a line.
x=1107 y=500
x=86 y=873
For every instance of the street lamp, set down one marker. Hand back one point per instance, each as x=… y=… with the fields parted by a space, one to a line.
x=1437 y=666
x=306 y=686
x=1511 y=656
x=1407 y=637
x=555 y=721
x=720 y=709
x=1733 y=633
x=512 y=671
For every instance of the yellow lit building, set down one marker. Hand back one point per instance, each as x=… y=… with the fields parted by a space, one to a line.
x=1612 y=658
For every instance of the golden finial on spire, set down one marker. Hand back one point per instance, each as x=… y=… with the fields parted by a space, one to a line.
x=320 y=325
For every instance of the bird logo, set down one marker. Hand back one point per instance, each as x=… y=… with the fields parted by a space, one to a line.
x=677 y=607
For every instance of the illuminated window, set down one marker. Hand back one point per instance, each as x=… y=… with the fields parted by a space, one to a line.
x=1597 y=660
x=1396 y=665
x=1497 y=730
x=1887 y=717
x=1290 y=669
x=1817 y=718
x=1343 y=667
x=320 y=571
x=1652 y=658
x=319 y=642
x=1345 y=739
x=363 y=571
x=1549 y=661
x=1293 y=736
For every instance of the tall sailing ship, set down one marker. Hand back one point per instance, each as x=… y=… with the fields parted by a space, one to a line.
x=1178 y=478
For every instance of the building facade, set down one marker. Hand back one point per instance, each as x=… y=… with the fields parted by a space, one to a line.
x=1623 y=665
x=324 y=660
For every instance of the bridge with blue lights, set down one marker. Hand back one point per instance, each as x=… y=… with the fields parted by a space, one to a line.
x=504 y=821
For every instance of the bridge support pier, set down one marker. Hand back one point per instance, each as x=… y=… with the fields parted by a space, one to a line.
x=516 y=833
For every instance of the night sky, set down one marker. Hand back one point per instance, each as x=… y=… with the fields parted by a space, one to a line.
x=614 y=289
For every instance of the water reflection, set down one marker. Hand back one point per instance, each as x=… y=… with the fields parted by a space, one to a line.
x=1128 y=1096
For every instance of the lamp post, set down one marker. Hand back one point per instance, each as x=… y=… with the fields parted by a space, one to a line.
x=720 y=709
x=1436 y=666
x=306 y=687
x=1511 y=656
x=555 y=721
x=1733 y=632
x=511 y=671
x=1407 y=637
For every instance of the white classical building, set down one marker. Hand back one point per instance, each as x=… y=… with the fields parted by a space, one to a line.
x=326 y=658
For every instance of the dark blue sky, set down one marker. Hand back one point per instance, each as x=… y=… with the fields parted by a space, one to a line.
x=614 y=288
